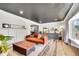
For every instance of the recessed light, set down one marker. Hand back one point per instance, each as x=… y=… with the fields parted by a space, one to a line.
x=40 y=21
x=55 y=19
x=21 y=11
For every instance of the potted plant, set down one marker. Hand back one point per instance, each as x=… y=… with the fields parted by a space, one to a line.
x=4 y=45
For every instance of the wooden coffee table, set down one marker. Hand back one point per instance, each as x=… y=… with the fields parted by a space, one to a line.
x=24 y=47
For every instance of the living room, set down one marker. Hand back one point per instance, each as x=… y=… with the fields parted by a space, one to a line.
x=36 y=28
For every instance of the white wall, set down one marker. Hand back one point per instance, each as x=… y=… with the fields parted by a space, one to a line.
x=50 y=25
x=18 y=34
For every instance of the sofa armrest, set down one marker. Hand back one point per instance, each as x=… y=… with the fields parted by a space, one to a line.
x=45 y=39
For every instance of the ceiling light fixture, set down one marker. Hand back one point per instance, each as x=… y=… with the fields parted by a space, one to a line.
x=55 y=19
x=40 y=21
x=21 y=12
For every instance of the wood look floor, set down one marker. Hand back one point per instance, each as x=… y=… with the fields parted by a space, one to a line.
x=59 y=48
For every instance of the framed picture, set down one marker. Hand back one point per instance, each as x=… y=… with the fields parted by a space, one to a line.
x=45 y=30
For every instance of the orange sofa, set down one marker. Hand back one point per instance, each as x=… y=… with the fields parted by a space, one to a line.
x=37 y=40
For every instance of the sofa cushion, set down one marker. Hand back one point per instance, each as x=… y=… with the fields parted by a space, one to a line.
x=36 y=40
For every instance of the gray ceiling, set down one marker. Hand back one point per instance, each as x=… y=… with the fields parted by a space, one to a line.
x=45 y=12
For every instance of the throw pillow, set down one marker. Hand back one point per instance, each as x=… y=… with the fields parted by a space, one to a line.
x=36 y=35
x=32 y=36
x=42 y=37
x=39 y=36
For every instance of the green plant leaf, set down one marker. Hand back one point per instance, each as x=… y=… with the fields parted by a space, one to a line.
x=6 y=38
x=1 y=37
x=4 y=49
x=4 y=46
